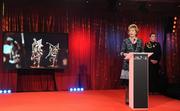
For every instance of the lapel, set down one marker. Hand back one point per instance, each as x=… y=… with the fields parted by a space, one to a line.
x=131 y=45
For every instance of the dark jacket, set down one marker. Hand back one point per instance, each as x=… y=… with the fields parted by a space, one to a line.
x=127 y=47
x=154 y=47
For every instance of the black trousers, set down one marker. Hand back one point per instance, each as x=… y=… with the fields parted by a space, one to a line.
x=125 y=83
x=153 y=77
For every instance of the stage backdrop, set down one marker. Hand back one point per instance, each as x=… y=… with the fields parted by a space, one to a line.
x=94 y=46
x=172 y=55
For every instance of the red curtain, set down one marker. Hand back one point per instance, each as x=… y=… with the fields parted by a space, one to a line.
x=94 y=46
x=172 y=55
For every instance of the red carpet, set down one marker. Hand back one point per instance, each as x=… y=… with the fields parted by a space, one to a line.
x=106 y=100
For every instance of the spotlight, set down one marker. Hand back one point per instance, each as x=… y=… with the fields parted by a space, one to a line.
x=74 y=89
x=119 y=3
x=174 y=31
x=175 y=22
x=78 y=89
x=82 y=89
x=87 y=1
x=5 y=91
x=149 y=5
x=175 y=18
x=8 y=91
x=174 y=26
x=71 y=89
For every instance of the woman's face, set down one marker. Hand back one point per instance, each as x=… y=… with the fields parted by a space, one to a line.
x=132 y=32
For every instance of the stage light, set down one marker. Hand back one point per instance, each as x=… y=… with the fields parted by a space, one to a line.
x=5 y=91
x=78 y=89
x=87 y=1
x=175 y=23
x=175 y=18
x=8 y=91
x=149 y=5
x=174 y=26
x=71 y=89
x=82 y=89
x=74 y=89
x=119 y=3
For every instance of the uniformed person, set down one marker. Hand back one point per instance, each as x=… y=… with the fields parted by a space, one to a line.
x=154 y=60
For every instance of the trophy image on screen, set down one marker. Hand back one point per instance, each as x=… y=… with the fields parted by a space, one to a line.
x=11 y=52
x=53 y=54
x=37 y=52
x=34 y=50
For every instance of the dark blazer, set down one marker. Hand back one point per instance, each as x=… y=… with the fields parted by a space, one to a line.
x=127 y=47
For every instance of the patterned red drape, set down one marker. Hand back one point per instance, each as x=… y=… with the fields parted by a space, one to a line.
x=172 y=55
x=94 y=45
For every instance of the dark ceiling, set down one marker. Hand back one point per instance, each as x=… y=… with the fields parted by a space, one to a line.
x=171 y=7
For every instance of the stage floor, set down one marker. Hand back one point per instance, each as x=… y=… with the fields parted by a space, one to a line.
x=97 y=100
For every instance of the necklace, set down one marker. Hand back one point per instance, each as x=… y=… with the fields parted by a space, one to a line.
x=133 y=40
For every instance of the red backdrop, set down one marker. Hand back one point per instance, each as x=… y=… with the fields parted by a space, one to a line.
x=94 y=45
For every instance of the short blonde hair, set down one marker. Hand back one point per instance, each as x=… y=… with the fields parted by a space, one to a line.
x=133 y=26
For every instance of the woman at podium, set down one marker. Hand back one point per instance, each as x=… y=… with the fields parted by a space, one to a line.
x=130 y=44
x=153 y=46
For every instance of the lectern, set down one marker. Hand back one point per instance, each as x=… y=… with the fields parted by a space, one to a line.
x=138 y=80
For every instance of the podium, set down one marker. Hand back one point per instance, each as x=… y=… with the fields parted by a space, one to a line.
x=138 y=80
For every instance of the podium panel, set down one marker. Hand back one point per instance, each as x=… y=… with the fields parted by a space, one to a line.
x=138 y=80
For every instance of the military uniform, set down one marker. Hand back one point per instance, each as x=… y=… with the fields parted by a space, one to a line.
x=153 y=68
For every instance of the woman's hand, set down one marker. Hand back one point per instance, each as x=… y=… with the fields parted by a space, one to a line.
x=125 y=54
x=154 y=61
